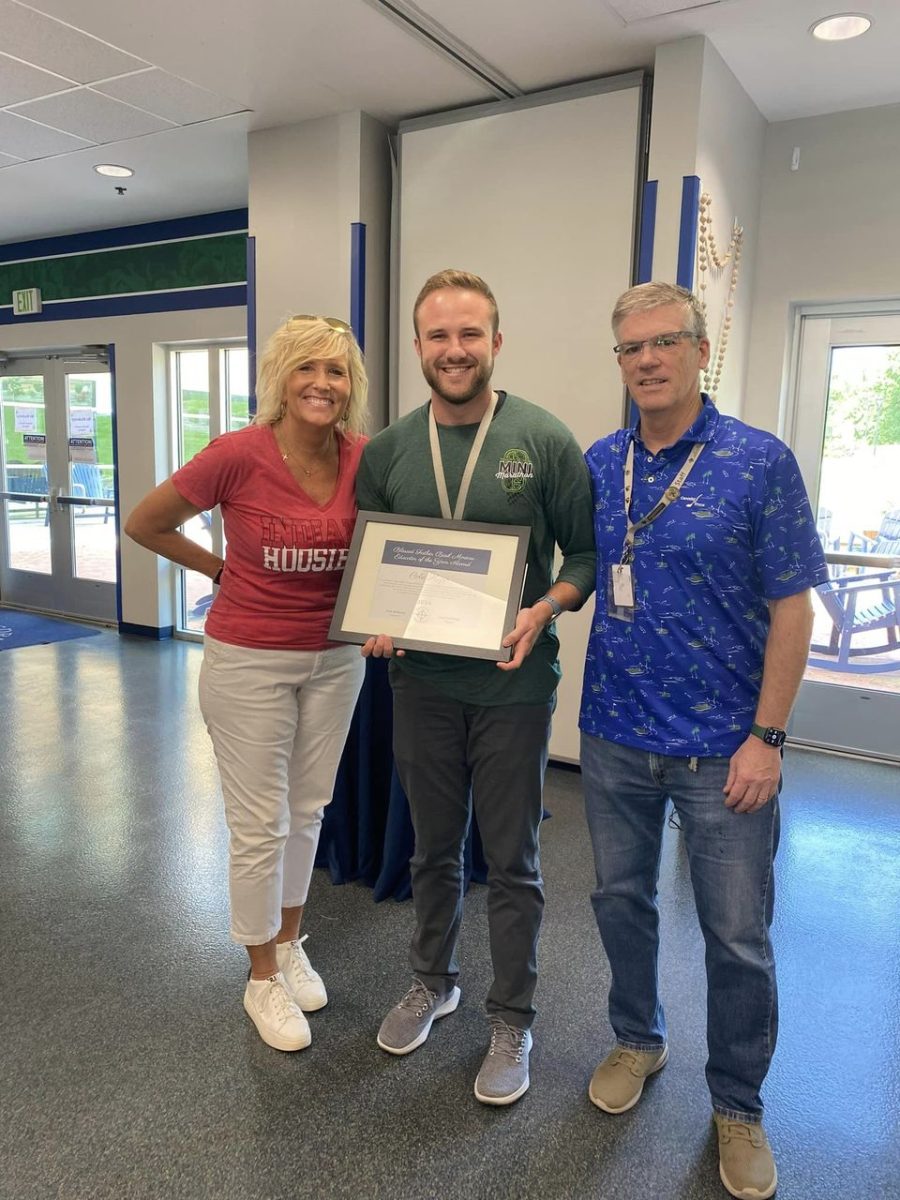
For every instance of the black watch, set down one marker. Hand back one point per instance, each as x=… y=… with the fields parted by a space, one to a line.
x=771 y=736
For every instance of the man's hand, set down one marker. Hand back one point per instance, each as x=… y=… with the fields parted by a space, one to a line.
x=529 y=624
x=380 y=647
x=753 y=775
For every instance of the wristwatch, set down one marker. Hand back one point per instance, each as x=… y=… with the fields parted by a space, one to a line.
x=771 y=736
x=555 y=605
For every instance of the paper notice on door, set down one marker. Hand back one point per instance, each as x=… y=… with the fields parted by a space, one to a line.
x=35 y=446
x=26 y=419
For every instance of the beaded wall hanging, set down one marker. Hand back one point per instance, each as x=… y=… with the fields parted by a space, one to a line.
x=712 y=268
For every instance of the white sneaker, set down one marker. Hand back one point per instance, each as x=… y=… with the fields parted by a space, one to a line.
x=304 y=984
x=273 y=1011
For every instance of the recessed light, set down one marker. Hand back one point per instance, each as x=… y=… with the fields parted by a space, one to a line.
x=840 y=27
x=112 y=170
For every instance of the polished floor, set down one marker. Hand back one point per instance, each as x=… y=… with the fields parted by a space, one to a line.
x=128 y=1069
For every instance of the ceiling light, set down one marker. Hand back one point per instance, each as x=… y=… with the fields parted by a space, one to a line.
x=112 y=170
x=840 y=27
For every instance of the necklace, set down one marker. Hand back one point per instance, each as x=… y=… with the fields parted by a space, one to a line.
x=322 y=457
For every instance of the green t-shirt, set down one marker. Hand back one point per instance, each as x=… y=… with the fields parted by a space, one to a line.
x=530 y=472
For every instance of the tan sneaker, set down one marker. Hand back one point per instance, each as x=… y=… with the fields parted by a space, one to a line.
x=617 y=1083
x=746 y=1165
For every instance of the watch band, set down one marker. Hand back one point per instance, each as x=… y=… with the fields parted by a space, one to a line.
x=555 y=605
x=771 y=735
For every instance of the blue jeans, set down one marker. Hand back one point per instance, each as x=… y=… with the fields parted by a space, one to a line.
x=731 y=859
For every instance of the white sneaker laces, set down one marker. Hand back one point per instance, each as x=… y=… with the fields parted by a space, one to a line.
x=302 y=963
x=280 y=1001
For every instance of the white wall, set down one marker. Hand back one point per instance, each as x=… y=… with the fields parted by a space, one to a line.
x=828 y=232
x=308 y=184
x=705 y=124
x=143 y=428
x=545 y=215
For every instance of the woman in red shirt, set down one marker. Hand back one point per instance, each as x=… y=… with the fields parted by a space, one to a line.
x=276 y=695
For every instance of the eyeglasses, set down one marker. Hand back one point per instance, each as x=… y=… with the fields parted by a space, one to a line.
x=662 y=341
x=331 y=322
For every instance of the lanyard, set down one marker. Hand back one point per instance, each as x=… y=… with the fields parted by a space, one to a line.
x=669 y=496
x=438 y=462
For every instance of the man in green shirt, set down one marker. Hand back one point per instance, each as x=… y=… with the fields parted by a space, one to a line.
x=470 y=733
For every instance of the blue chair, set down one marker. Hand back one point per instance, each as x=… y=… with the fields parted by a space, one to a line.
x=885 y=541
x=88 y=481
x=859 y=604
x=33 y=483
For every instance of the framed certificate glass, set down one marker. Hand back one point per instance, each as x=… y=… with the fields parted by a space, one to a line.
x=453 y=587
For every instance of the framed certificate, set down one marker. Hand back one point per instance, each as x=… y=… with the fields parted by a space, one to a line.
x=453 y=587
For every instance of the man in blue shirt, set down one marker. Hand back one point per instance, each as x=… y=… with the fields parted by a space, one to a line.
x=707 y=551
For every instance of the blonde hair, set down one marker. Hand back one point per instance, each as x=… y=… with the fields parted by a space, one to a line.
x=464 y=281
x=656 y=295
x=301 y=340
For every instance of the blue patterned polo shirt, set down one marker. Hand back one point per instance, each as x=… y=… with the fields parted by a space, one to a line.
x=683 y=678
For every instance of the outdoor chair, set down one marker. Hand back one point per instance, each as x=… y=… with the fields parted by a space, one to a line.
x=87 y=480
x=824 y=519
x=885 y=541
x=34 y=483
x=859 y=605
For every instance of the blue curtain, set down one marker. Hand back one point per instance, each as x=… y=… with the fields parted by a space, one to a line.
x=367 y=833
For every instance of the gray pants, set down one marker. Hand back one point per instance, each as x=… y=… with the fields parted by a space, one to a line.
x=452 y=757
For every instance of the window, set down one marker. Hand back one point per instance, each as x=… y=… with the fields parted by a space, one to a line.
x=210 y=395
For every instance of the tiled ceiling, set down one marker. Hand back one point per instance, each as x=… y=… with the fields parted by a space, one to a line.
x=171 y=89
x=62 y=89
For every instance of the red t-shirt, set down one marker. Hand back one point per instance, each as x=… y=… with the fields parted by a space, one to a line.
x=286 y=554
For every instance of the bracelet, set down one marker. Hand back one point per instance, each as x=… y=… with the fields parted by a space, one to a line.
x=555 y=605
x=217 y=578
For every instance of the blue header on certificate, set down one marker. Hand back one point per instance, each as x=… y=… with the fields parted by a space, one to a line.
x=437 y=558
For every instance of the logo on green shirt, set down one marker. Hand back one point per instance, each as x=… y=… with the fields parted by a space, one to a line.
x=514 y=469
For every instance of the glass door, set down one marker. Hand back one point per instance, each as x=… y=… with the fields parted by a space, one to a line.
x=846 y=434
x=58 y=524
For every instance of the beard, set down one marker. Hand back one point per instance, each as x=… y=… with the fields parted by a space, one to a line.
x=479 y=381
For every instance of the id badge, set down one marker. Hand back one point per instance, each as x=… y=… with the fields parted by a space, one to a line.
x=620 y=592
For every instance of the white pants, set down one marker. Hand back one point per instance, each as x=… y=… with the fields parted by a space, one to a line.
x=278 y=720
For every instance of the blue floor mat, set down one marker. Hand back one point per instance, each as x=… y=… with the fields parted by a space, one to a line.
x=27 y=629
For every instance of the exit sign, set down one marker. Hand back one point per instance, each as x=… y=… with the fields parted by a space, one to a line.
x=26 y=301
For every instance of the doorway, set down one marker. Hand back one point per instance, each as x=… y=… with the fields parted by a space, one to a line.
x=59 y=519
x=846 y=435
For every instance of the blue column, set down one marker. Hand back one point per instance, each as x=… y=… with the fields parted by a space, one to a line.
x=251 y=324
x=358 y=282
x=687 y=237
x=647 y=232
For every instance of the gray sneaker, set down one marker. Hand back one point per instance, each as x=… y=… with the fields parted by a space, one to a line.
x=503 y=1077
x=408 y=1023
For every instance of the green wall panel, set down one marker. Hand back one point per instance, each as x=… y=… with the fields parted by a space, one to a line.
x=160 y=267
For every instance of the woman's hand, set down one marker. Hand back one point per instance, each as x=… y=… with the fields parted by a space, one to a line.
x=380 y=646
x=155 y=522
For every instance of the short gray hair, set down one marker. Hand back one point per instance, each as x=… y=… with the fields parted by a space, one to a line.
x=646 y=296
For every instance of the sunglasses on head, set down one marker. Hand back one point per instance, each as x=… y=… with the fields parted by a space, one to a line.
x=331 y=322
